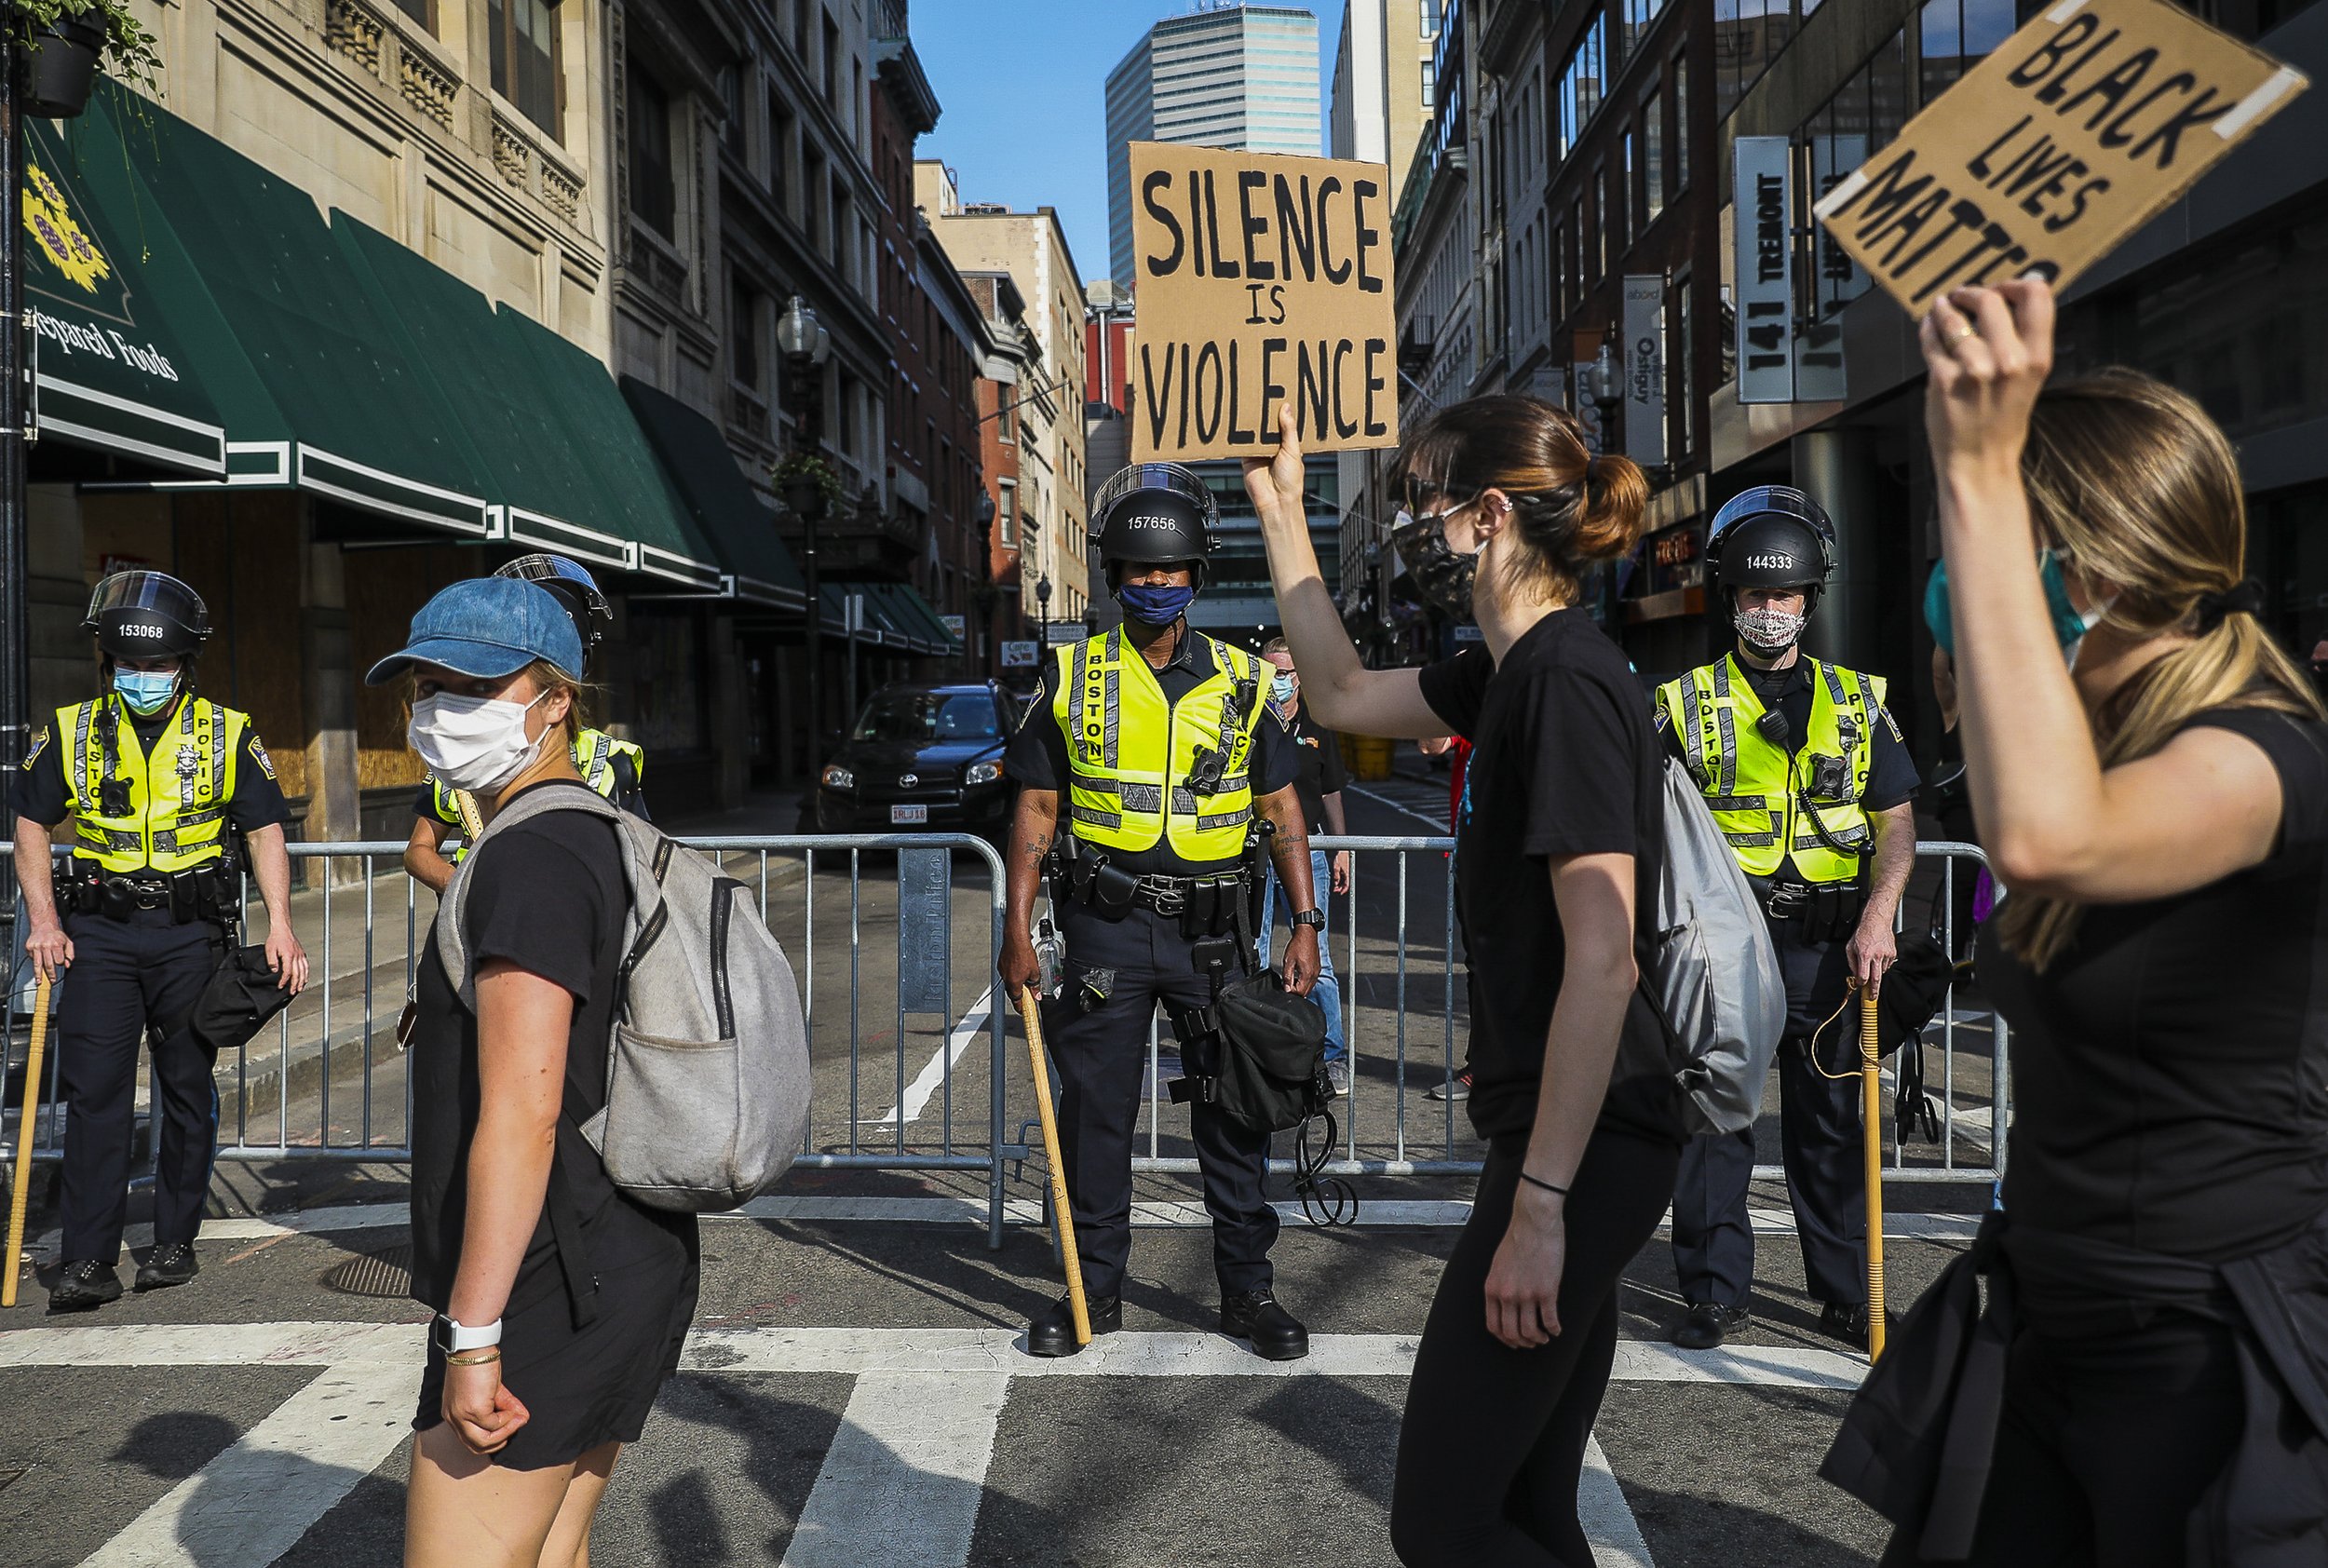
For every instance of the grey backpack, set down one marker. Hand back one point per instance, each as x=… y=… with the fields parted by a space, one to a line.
x=1710 y=970
x=707 y=1073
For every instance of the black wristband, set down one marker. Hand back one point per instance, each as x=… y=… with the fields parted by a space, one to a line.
x=1539 y=1182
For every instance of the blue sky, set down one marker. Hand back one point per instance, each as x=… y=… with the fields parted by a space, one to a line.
x=1022 y=86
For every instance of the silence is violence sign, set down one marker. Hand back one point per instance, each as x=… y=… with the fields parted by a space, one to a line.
x=1261 y=279
x=2053 y=149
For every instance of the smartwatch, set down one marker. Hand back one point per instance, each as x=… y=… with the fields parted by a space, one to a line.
x=1311 y=917
x=452 y=1338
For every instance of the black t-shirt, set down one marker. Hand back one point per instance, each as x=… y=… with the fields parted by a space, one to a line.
x=548 y=897
x=41 y=794
x=1038 y=755
x=1892 y=780
x=1317 y=768
x=2170 y=1068
x=1565 y=762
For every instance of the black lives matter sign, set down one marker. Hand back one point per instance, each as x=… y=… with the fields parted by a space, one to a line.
x=1261 y=280
x=2053 y=149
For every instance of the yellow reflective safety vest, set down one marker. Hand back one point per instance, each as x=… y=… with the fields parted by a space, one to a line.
x=1142 y=771
x=595 y=754
x=176 y=815
x=1759 y=794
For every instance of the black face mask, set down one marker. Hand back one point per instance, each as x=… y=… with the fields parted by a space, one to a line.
x=1442 y=576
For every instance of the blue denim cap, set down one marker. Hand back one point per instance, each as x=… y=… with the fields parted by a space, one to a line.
x=489 y=628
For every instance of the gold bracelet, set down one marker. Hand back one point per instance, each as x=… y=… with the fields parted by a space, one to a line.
x=474 y=1357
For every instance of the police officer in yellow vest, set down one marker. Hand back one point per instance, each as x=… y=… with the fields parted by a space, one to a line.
x=159 y=782
x=1142 y=767
x=615 y=769
x=1807 y=777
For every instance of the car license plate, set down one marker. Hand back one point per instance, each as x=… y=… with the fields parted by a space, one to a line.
x=900 y=816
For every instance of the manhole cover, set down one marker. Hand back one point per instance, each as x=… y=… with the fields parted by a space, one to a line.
x=373 y=1274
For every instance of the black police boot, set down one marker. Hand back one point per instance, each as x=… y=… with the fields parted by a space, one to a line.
x=1053 y=1334
x=84 y=1285
x=165 y=1266
x=1277 y=1334
x=1708 y=1325
x=1849 y=1323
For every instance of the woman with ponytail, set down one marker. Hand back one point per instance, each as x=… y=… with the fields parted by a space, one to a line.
x=1559 y=850
x=2158 y=810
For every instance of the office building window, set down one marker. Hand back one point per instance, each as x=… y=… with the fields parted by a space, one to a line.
x=1006 y=511
x=1582 y=83
x=653 y=199
x=421 y=11
x=743 y=334
x=1620 y=214
x=1681 y=123
x=732 y=109
x=1430 y=9
x=1602 y=246
x=1748 y=35
x=1431 y=84
x=1637 y=16
x=832 y=66
x=1651 y=157
x=524 y=61
x=779 y=150
x=1953 y=34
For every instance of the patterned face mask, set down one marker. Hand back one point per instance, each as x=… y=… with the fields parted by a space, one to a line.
x=1442 y=576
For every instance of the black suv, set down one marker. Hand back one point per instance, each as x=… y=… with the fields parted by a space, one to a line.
x=922 y=756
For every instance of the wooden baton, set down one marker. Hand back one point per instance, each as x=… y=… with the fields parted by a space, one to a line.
x=1032 y=1011
x=22 y=1189
x=1872 y=1115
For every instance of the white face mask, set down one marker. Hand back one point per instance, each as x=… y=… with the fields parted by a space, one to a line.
x=1769 y=631
x=473 y=743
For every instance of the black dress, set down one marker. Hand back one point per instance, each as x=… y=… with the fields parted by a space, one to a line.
x=548 y=897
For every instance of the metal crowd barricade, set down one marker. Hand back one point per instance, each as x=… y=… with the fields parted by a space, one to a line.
x=326 y=1081
x=287 y=1095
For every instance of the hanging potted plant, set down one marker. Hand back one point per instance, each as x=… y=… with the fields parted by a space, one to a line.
x=62 y=44
x=807 y=482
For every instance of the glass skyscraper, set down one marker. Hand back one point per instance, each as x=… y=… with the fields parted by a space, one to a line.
x=1229 y=75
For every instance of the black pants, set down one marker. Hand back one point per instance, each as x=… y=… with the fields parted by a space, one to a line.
x=128 y=977
x=2108 y=1442
x=1819 y=1130
x=1494 y=1438
x=1103 y=1058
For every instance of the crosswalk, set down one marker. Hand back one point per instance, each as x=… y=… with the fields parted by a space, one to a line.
x=903 y=1481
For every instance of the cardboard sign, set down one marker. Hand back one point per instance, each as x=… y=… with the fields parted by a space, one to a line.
x=1261 y=279
x=2053 y=149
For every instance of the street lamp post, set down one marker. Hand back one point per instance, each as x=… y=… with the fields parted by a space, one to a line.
x=806 y=346
x=982 y=596
x=1042 y=608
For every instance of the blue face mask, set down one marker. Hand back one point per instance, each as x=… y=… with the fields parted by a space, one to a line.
x=146 y=691
x=1154 y=606
x=1280 y=688
x=2068 y=625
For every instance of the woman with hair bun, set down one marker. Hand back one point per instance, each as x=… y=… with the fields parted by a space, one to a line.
x=1559 y=851
x=2158 y=808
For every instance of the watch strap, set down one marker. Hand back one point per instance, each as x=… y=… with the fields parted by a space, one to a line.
x=457 y=1337
x=1311 y=917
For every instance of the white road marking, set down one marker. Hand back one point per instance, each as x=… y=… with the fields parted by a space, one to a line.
x=1437 y=824
x=1607 y=1516
x=253 y=1503
x=927 y=1351
x=926 y=1084
x=903 y=1481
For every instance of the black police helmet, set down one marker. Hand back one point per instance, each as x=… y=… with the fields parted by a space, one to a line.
x=1771 y=537
x=147 y=614
x=1155 y=514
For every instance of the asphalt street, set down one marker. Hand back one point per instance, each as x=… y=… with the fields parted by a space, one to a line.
x=853 y=1393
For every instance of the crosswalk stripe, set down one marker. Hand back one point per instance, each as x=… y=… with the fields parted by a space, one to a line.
x=253 y=1503
x=1605 y=1515
x=924 y=1351
x=903 y=1481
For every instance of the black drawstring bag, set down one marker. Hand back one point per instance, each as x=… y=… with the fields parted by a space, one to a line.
x=243 y=995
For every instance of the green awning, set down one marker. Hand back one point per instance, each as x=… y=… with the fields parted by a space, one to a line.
x=352 y=411
x=742 y=527
x=921 y=620
x=128 y=354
